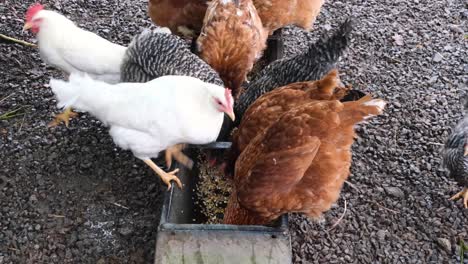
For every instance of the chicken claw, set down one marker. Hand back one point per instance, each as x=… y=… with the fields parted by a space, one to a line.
x=63 y=117
x=166 y=177
x=176 y=152
x=464 y=194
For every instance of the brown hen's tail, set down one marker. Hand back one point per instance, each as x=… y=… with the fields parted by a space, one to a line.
x=328 y=83
x=235 y=214
x=358 y=111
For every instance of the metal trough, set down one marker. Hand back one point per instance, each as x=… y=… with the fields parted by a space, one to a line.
x=183 y=238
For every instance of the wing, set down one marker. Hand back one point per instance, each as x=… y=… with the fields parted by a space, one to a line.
x=274 y=163
x=88 y=52
x=266 y=110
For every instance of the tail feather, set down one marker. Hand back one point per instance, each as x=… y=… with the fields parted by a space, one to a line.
x=329 y=49
x=358 y=111
x=78 y=92
x=67 y=93
x=328 y=83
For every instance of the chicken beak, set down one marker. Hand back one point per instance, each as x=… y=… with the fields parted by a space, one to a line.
x=231 y=115
x=27 y=26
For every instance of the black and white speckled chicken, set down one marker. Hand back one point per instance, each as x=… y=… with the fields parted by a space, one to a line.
x=312 y=65
x=157 y=53
x=455 y=155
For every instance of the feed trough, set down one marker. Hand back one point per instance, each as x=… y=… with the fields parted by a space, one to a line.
x=184 y=238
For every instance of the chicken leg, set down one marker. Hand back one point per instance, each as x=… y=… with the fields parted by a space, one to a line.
x=166 y=177
x=176 y=152
x=464 y=194
x=63 y=117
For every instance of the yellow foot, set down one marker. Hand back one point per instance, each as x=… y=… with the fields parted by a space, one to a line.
x=63 y=117
x=176 y=152
x=464 y=194
x=166 y=177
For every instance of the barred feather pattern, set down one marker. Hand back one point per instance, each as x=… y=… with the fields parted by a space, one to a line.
x=312 y=65
x=453 y=154
x=153 y=54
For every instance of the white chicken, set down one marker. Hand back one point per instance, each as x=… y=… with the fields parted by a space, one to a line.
x=150 y=117
x=71 y=49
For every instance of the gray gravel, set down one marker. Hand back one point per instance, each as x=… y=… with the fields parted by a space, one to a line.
x=70 y=196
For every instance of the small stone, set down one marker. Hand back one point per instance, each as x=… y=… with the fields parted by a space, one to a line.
x=398 y=39
x=437 y=57
x=37 y=227
x=36 y=247
x=381 y=234
x=456 y=28
x=33 y=198
x=433 y=79
x=395 y=192
x=125 y=231
x=444 y=244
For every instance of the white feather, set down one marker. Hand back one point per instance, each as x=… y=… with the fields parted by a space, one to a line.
x=148 y=117
x=164 y=30
x=71 y=49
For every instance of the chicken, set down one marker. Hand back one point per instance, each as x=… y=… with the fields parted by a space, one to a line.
x=270 y=106
x=182 y=17
x=276 y=14
x=73 y=50
x=185 y=17
x=299 y=163
x=157 y=53
x=153 y=116
x=319 y=59
x=232 y=39
x=455 y=156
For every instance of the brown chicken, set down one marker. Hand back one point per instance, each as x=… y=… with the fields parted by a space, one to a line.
x=182 y=17
x=232 y=39
x=269 y=107
x=299 y=163
x=185 y=17
x=279 y=13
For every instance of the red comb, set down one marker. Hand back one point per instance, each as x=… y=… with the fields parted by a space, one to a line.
x=32 y=11
x=228 y=95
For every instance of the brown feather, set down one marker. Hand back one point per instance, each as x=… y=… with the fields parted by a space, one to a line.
x=300 y=162
x=273 y=13
x=269 y=107
x=178 y=13
x=279 y=13
x=232 y=39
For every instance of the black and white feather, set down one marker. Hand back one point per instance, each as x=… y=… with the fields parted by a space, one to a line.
x=157 y=53
x=312 y=65
x=454 y=157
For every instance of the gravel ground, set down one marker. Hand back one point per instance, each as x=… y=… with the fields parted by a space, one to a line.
x=68 y=195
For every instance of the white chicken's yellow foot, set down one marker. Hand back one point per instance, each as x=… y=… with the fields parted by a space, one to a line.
x=463 y=194
x=176 y=152
x=63 y=117
x=166 y=177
